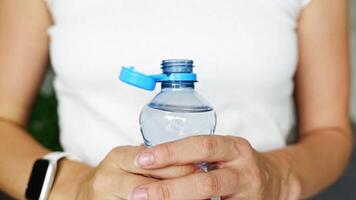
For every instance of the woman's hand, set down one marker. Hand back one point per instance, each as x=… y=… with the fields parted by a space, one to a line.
x=242 y=173
x=115 y=177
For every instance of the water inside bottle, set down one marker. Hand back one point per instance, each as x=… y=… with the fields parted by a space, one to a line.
x=164 y=123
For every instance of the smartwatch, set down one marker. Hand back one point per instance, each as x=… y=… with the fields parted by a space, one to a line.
x=43 y=175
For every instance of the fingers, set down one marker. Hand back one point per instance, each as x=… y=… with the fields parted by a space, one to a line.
x=125 y=159
x=220 y=182
x=127 y=182
x=193 y=150
x=113 y=185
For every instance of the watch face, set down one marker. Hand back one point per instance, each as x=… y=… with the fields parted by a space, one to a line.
x=37 y=178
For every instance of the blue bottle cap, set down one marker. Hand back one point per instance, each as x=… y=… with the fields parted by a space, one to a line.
x=137 y=79
x=173 y=70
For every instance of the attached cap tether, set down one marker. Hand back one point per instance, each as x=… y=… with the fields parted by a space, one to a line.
x=173 y=70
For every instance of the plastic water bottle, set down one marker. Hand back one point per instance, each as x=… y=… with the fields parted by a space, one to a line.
x=176 y=112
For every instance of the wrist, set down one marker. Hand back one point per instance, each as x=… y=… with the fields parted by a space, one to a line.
x=282 y=170
x=69 y=178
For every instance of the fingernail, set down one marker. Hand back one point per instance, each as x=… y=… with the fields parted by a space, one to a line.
x=139 y=194
x=145 y=159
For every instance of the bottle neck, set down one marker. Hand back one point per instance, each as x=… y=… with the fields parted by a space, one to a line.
x=180 y=85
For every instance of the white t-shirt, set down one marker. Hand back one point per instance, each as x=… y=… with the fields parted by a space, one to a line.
x=245 y=54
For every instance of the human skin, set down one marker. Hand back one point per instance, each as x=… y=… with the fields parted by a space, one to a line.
x=297 y=171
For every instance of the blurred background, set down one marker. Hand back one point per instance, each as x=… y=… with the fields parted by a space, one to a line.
x=43 y=125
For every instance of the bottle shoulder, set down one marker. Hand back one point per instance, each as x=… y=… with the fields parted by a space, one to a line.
x=183 y=101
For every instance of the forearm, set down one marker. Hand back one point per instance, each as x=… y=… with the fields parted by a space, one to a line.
x=317 y=160
x=18 y=151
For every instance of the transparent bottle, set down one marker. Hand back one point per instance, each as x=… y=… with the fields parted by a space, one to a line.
x=178 y=111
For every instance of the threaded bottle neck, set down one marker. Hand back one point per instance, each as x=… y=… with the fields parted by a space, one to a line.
x=177 y=66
